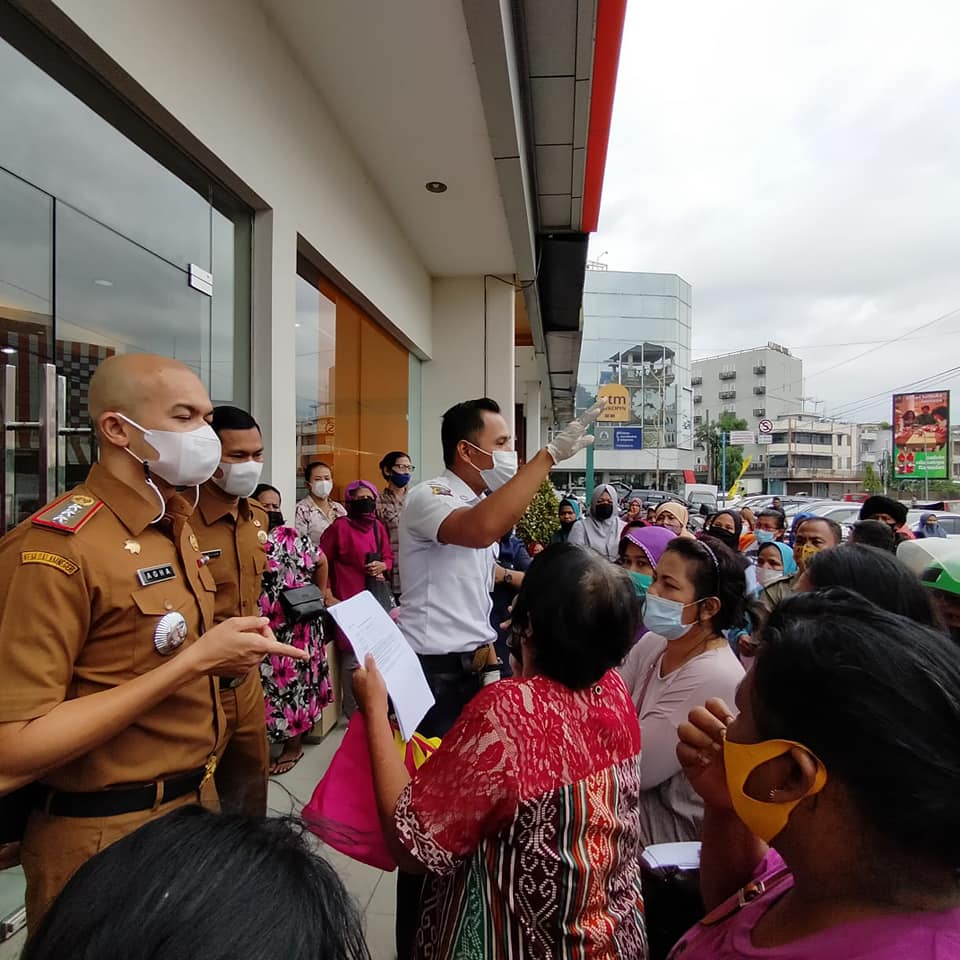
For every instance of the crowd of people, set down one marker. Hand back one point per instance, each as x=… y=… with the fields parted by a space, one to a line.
x=786 y=702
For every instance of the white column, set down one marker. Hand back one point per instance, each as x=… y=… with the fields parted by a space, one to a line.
x=532 y=403
x=273 y=349
x=472 y=356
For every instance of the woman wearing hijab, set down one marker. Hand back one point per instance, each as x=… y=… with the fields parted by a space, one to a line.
x=634 y=511
x=675 y=517
x=725 y=526
x=639 y=553
x=929 y=526
x=569 y=514
x=348 y=543
x=600 y=528
x=776 y=572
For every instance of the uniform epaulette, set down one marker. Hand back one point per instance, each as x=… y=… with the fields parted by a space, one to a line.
x=69 y=513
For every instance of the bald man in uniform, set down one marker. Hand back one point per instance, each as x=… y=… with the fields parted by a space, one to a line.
x=232 y=531
x=108 y=652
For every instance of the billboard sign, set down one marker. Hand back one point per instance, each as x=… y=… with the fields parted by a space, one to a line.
x=618 y=403
x=921 y=435
x=628 y=438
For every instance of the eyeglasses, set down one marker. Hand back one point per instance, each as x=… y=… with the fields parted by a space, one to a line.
x=403 y=468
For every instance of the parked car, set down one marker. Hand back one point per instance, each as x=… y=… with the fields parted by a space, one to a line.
x=653 y=498
x=949 y=521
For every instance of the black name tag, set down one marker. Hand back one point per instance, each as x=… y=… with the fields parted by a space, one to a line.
x=148 y=575
x=212 y=554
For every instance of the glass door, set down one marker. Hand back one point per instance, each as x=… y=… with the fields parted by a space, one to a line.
x=26 y=340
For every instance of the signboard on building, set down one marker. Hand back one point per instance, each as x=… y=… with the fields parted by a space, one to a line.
x=921 y=435
x=618 y=403
x=628 y=438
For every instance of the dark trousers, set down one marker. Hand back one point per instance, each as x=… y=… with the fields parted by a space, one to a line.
x=452 y=692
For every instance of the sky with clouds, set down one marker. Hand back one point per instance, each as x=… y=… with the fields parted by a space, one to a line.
x=799 y=165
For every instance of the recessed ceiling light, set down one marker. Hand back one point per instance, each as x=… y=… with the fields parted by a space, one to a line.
x=296 y=324
x=103 y=283
x=436 y=186
x=8 y=349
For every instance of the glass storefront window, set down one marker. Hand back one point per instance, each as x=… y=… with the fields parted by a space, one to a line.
x=51 y=139
x=353 y=385
x=96 y=241
x=316 y=340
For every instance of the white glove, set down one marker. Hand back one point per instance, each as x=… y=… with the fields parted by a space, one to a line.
x=574 y=437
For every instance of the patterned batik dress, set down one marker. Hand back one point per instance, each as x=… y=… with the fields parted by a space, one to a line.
x=526 y=818
x=295 y=691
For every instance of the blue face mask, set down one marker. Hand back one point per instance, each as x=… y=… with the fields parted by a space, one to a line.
x=641 y=582
x=399 y=479
x=764 y=536
x=663 y=616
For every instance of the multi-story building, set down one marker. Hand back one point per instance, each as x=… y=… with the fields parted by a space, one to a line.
x=762 y=383
x=812 y=456
x=636 y=344
x=875 y=447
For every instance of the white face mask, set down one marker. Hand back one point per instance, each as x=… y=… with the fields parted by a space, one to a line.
x=767 y=575
x=183 y=459
x=239 y=479
x=504 y=467
x=321 y=488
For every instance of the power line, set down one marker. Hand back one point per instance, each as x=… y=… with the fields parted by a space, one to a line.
x=852 y=406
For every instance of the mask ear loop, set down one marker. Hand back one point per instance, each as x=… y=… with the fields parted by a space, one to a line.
x=153 y=487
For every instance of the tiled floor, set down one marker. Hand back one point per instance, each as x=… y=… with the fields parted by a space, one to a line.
x=373 y=890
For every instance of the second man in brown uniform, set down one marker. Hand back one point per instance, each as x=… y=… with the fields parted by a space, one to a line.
x=232 y=531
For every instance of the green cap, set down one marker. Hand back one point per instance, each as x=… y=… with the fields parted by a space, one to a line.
x=935 y=561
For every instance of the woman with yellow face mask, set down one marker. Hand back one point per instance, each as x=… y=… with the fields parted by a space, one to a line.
x=831 y=827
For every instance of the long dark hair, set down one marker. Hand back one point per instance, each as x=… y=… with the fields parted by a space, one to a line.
x=196 y=885
x=876 y=697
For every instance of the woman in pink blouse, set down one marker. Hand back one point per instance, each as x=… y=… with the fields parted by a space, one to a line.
x=832 y=828
x=525 y=819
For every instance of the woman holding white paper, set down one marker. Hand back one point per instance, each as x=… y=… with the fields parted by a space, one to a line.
x=525 y=819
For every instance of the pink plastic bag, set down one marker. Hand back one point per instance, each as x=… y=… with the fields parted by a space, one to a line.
x=343 y=809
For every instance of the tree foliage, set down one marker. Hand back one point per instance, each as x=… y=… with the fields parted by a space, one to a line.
x=872 y=483
x=708 y=434
x=540 y=521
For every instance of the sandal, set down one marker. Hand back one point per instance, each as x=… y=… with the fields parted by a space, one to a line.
x=281 y=766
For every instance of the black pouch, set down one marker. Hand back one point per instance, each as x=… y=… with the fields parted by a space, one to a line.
x=302 y=603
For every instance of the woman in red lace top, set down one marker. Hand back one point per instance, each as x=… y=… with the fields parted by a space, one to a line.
x=525 y=819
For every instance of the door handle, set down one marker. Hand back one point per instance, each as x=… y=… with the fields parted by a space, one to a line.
x=63 y=432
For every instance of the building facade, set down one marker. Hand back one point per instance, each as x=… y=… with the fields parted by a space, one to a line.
x=299 y=229
x=815 y=457
x=762 y=383
x=637 y=329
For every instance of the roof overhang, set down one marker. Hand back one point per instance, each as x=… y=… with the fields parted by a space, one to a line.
x=508 y=102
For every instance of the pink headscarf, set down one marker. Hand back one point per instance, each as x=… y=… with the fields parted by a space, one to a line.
x=352 y=488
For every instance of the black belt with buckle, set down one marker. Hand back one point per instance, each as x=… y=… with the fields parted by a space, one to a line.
x=447 y=662
x=112 y=803
x=231 y=683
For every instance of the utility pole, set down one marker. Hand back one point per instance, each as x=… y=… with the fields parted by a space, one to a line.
x=723 y=462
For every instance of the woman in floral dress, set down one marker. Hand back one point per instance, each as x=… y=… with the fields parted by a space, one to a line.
x=295 y=691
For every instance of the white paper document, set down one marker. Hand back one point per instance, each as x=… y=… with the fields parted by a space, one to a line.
x=369 y=629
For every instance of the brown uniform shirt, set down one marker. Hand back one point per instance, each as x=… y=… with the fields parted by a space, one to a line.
x=81 y=600
x=233 y=542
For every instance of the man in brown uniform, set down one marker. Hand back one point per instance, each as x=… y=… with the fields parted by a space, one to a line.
x=232 y=532
x=109 y=697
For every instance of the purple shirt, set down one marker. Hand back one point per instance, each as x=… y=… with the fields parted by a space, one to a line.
x=902 y=936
